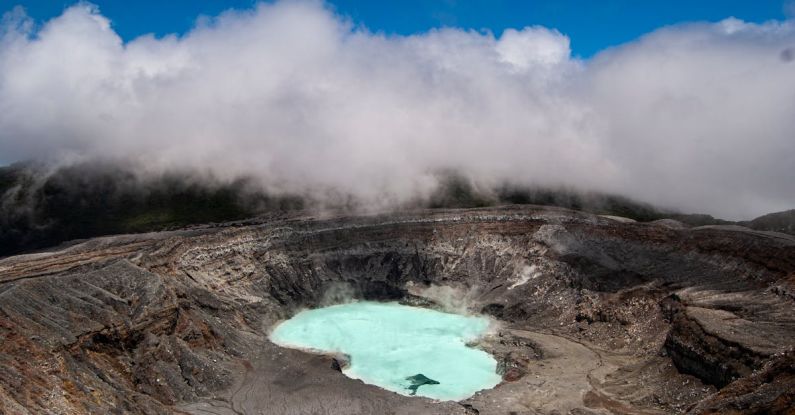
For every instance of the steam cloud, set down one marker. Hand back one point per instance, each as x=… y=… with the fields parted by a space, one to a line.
x=697 y=116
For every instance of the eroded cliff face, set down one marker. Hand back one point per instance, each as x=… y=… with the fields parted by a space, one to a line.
x=596 y=315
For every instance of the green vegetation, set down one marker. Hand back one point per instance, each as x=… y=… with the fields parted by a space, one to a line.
x=779 y=222
x=40 y=209
x=600 y=204
x=458 y=192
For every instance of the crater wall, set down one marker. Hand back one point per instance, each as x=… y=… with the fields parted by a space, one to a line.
x=635 y=318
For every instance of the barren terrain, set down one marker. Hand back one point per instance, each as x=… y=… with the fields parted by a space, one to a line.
x=596 y=315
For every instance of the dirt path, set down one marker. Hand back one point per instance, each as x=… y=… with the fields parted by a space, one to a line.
x=558 y=382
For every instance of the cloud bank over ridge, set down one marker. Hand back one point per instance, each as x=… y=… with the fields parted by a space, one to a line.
x=699 y=117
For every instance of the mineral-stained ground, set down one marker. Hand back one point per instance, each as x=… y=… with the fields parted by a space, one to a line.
x=596 y=315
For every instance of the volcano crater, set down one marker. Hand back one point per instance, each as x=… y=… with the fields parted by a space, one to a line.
x=594 y=315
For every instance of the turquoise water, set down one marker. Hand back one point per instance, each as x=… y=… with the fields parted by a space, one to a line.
x=395 y=346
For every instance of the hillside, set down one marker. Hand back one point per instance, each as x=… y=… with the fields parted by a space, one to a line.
x=41 y=207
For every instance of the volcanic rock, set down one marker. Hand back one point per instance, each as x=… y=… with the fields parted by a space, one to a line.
x=593 y=315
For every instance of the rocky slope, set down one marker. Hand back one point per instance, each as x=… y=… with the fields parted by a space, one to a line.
x=596 y=315
x=43 y=206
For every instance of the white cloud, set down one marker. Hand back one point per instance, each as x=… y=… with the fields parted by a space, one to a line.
x=695 y=116
x=533 y=46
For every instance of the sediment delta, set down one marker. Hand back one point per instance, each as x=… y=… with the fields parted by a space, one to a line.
x=595 y=315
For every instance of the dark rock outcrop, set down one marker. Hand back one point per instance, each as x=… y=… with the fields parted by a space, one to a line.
x=769 y=390
x=419 y=380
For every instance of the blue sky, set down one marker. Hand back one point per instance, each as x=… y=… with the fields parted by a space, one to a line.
x=592 y=25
